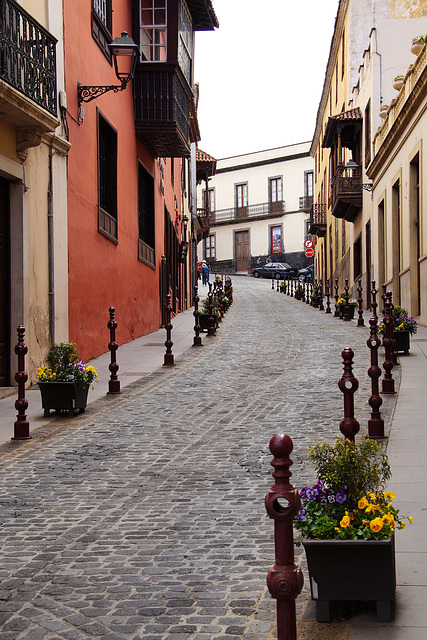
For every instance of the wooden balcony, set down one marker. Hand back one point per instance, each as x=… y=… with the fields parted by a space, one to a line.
x=162 y=101
x=346 y=197
x=318 y=220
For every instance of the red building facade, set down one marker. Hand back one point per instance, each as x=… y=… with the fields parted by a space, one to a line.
x=128 y=167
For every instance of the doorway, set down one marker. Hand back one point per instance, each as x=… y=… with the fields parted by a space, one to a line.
x=4 y=285
x=242 y=251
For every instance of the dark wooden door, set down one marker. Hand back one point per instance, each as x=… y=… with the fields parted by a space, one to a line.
x=242 y=250
x=4 y=284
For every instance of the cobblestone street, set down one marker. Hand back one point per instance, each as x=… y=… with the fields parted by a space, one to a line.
x=144 y=518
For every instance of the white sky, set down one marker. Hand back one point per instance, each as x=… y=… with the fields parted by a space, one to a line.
x=261 y=73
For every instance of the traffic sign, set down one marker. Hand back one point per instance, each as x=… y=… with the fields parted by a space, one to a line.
x=308 y=243
x=309 y=252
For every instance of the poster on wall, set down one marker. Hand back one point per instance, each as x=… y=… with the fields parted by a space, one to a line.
x=276 y=239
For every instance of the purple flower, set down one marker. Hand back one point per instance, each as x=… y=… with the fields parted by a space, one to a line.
x=340 y=497
x=301 y=514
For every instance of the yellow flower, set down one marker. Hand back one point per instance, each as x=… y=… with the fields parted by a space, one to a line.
x=388 y=518
x=402 y=525
x=392 y=495
x=376 y=525
x=410 y=518
x=345 y=522
x=369 y=508
x=363 y=503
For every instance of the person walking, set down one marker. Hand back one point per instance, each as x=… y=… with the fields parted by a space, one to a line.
x=205 y=272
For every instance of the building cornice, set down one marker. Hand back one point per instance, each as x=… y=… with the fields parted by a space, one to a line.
x=262 y=163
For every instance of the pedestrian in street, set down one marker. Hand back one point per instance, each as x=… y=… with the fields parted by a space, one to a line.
x=205 y=272
x=258 y=262
x=268 y=259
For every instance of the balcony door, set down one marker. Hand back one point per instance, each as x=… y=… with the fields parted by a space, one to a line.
x=242 y=200
x=4 y=285
x=242 y=251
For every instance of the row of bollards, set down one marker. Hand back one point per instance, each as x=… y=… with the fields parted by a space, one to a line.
x=220 y=296
x=285 y=579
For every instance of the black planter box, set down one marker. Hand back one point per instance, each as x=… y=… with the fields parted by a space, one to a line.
x=401 y=341
x=204 y=322
x=351 y=570
x=342 y=311
x=64 y=396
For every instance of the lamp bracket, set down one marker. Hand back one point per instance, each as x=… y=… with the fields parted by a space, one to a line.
x=87 y=93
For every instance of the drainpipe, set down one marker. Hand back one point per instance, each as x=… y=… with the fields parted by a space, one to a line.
x=51 y=253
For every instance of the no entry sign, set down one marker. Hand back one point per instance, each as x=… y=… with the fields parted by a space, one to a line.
x=308 y=244
x=309 y=252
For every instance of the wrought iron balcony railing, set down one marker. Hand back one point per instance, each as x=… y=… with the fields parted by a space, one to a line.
x=27 y=56
x=305 y=203
x=250 y=211
x=318 y=220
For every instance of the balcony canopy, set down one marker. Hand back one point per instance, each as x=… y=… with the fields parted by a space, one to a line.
x=343 y=123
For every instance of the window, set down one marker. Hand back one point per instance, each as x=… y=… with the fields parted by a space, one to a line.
x=242 y=199
x=210 y=248
x=275 y=194
x=211 y=200
x=146 y=219
x=107 y=179
x=153 y=30
x=102 y=18
x=367 y=125
x=343 y=57
x=185 y=43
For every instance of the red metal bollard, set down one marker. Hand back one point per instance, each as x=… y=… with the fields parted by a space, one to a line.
x=348 y=385
x=21 y=429
x=328 y=304
x=337 y=309
x=114 y=382
x=375 y=423
x=285 y=578
x=360 y=320
x=347 y=306
x=168 y=359
x=197 y=341
x=388 y=342
x=211 y=320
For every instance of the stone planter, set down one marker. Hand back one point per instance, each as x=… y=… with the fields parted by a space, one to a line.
x=402 y=342
x=64 y=396
x=351 y=570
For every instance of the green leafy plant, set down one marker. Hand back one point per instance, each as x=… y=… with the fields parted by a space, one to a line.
x=63 y=364
x=348 y=501
x=351 y=301
x=204 y=311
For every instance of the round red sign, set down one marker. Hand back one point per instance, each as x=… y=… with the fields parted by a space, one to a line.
x=309 y=253
x=308 y=243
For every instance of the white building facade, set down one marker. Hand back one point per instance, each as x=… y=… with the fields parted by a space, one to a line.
x=258 y=206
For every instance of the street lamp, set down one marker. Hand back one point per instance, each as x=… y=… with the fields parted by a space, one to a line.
x=124 y=53
x=350 y=173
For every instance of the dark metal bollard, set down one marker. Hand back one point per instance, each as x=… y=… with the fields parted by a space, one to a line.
x=315 y=294
x=114 y=382
x=21 y=429
x=360 y=320
x=197 y=341
x=388 y=342
x=168 y=359
x=375 y=423
x=211 y=327
x=347 y=306
x=374 y=300
x=321 y=305
x=348 y=385
x=337 y=308
x=285 y=578
x=328 y=304
x=272 y=283
x=307 y=292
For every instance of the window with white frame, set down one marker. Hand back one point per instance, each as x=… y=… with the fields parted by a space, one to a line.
x=242 y=195
x=275 y=189
x=153 y=30
x=185 y=42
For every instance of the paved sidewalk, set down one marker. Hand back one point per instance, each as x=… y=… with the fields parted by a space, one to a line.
x=143 y=518
x=135 y=359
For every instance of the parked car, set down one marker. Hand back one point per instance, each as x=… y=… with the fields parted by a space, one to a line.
x=275 y=270
x=306 y=274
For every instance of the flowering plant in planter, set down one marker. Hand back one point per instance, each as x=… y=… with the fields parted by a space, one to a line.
x=63 y=364
x=351 y=301
x=348 y=502
x=204 y=311
x=401 y=322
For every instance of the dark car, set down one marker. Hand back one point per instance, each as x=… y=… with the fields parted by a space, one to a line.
x=275 y=270
x=306 y=274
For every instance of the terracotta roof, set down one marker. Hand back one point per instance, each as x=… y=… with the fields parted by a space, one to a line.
x=352 y=116
x=203 y=15
x=202 y=156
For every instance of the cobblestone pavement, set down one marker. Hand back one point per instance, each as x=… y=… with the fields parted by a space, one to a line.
x=144 y=518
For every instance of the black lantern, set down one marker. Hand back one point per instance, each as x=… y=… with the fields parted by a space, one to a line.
x=124 y=53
